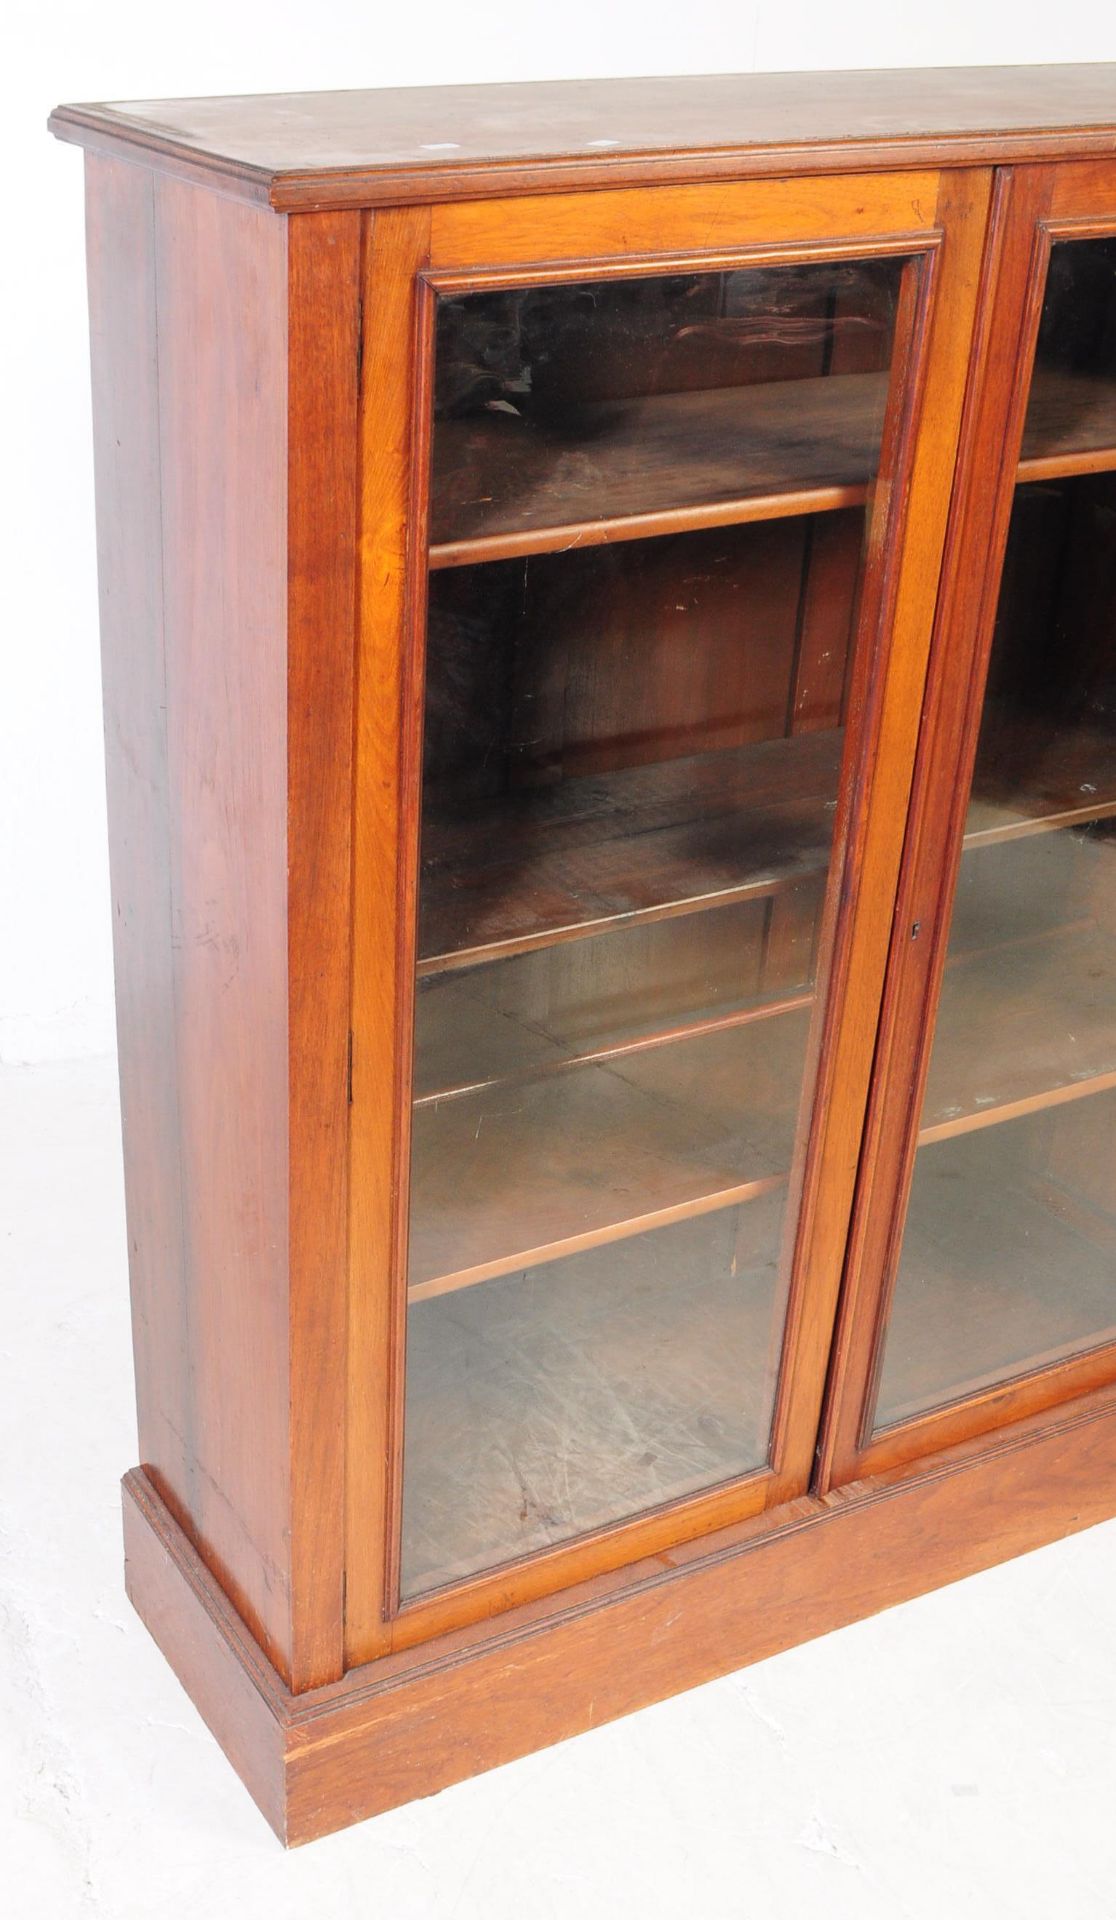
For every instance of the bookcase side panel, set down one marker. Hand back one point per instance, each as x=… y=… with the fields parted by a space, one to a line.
x=188 y=297
x=120 y=237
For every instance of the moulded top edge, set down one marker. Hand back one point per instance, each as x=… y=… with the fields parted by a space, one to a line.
x=319 y=150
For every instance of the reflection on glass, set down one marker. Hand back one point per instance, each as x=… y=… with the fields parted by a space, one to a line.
x=555 y=1399
x=1073 y=395
x=1009 y=1256
x=575 y=405
x=1008 y=1259
x=648 y=516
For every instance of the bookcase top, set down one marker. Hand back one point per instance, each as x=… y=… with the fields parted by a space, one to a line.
x=306 y=151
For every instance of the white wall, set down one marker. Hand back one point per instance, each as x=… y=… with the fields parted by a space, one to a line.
x=55 y=961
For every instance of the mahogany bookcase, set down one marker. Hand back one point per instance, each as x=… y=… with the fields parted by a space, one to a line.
x=608 y=601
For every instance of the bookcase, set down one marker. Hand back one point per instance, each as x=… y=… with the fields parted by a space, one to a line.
x=608 y=609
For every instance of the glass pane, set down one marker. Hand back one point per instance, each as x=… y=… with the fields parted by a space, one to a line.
x=568 y=406
x=649 y=510
x=1072 y=408
x=556 y=1398
x=1009 y=1257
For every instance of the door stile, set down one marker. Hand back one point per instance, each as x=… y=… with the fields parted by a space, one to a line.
x=392 y=518
x=1011 y=307
x=963 y=208
x=323 y=263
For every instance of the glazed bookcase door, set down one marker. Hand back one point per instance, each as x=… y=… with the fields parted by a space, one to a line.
x=990 y=1206
x=664 y=530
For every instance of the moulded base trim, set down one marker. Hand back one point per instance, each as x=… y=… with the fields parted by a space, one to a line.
x=417 y=1721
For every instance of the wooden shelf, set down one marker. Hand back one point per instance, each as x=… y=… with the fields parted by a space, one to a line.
x=510 y=1176
x=561 y=862
x=1071 y=426
x=1020 y=1029
x=609 y=850
x=671 y=462
x=463 y=1045
x=664 y=464
x=1027 y=782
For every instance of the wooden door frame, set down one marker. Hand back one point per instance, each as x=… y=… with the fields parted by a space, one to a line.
x=1032 y=208
x=597 y=234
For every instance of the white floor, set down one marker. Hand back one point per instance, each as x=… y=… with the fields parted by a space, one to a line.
x=955 y=1758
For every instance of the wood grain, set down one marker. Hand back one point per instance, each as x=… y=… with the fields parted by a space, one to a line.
x=987 y=463
x=701 y=225
x=323 y=346
x=189 y=1615
x=222 y=278
x=388 y=722
x=120 y=216
x=193 y=290
x=710 y=1610
x=988 y=474
x=884 y=704
x=1080 y=197
x=227 y=637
